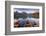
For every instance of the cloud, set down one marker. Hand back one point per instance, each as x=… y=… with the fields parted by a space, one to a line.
x=27 y=10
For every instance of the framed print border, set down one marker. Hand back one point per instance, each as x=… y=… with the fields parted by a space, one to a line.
x=8 y=17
